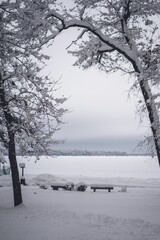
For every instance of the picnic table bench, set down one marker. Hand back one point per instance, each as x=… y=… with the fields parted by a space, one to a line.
x=66 y=186
x=56 y=186
x=101 y=187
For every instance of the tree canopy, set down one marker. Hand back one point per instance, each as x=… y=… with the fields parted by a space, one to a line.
x=27 y=97
x=29 y=111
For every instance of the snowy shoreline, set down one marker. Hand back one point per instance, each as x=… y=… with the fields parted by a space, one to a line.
x=33 y=180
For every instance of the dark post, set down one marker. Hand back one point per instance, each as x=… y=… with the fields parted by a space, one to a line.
x=22 y=166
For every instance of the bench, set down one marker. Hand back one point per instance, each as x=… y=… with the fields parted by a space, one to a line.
x=101 y=187
x=66 y=186
x=56 y=186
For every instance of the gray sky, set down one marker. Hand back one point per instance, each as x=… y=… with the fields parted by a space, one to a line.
x=101 y=114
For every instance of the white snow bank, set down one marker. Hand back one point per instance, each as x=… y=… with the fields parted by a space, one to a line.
x=47 y=179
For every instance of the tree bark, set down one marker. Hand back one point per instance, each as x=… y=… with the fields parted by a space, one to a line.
x=153 y=115
x=11 y=146
x=14 y=169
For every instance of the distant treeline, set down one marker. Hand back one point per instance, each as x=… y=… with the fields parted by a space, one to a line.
x=93 y=153
x=82 y=153
x=88 y=153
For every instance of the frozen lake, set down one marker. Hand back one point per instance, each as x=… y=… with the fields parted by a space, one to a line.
x=94 y=166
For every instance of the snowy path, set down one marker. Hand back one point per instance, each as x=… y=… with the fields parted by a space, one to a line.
x=62 y=215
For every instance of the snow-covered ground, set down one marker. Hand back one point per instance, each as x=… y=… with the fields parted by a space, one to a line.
x=65 y=215
x=59 y=215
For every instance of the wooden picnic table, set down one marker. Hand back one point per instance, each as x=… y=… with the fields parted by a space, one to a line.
x=56 y=186
x=101 y=187
x=66 y=186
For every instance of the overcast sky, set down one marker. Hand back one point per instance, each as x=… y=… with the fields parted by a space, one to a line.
x=101 y=115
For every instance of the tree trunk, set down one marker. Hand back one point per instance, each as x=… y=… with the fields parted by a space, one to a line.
x=11 y=146
x=14 y=169
x=153 y=115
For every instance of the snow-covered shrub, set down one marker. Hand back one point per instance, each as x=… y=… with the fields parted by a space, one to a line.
x=81 y=187
x=123 y=189
x=43 y=186
x=44 y=179
x=69 y=186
